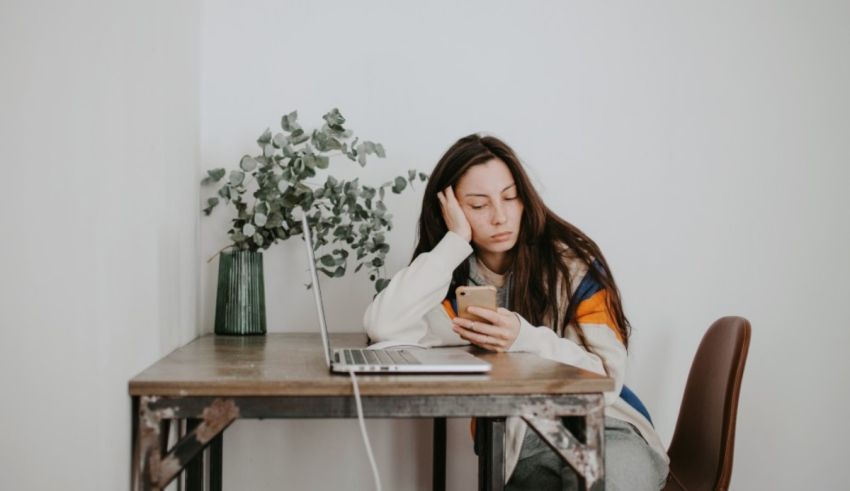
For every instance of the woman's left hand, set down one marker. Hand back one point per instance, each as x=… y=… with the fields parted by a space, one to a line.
x=497 y=334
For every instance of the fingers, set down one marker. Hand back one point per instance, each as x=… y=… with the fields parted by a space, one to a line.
x=493 y=316
x=450 y=197
x=479 y=339
x=482 y=328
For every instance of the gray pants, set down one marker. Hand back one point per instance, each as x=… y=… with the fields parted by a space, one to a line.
x=630 y=463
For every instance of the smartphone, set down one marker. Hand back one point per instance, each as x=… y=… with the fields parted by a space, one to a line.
x=479 y=296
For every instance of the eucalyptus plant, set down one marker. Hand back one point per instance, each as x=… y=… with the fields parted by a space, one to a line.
x=345 y=216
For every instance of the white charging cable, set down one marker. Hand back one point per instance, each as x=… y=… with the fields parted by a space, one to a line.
x=363 y=431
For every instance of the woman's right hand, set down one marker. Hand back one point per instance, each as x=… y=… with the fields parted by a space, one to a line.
x=453 y=215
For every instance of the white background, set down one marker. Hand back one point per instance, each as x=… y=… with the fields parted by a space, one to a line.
x=704 y=147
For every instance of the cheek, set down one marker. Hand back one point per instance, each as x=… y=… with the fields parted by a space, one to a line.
x=478 y=223
x=516 y=214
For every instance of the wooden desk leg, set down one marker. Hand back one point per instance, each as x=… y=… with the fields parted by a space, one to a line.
x=490 y=433
x=439 y=463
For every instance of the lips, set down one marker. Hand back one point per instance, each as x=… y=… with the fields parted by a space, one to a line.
x=501 y=236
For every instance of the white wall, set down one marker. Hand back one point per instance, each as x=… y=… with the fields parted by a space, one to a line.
x=704 y=147
x=99 y=137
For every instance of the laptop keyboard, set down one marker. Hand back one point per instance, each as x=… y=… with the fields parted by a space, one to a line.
x=378 y=357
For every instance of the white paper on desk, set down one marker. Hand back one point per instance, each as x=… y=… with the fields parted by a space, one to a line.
x=396 y=345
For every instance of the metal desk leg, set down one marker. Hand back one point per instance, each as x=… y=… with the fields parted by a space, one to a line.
x=439 y=460
x=152 y=468
x=216 y=449
x=581 y=443
x=195 y=467
x=490 y=433
x=134 y=441
x=147 y=452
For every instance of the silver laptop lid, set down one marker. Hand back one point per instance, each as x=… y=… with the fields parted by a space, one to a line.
x=316 y=289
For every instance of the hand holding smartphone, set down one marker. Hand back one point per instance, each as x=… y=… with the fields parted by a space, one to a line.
x=478 y=296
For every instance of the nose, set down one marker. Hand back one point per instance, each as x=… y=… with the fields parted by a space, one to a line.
x=498 y=214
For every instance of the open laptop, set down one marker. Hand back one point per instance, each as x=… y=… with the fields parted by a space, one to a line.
x=415 y=360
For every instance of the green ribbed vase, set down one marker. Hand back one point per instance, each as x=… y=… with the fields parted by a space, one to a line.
x=240 y=306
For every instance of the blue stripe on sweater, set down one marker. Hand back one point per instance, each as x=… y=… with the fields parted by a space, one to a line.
x=588 y=285
x=585 y=290
x=632 y=400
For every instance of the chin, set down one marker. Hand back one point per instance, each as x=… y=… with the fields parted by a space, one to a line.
x=498 y=246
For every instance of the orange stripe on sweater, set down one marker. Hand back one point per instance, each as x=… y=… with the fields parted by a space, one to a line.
x=447 y=306
x=594 y=310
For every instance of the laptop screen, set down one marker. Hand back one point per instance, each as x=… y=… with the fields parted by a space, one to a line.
x=317 y=293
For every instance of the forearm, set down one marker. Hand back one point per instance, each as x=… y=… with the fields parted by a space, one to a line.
x=401 y=310
x=608 y=355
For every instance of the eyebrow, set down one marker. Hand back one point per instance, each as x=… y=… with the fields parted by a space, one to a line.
x=484 y=195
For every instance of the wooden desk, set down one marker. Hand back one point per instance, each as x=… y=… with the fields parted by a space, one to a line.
x=214 y=380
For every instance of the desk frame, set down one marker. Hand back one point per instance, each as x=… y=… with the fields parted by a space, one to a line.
x=572 y=424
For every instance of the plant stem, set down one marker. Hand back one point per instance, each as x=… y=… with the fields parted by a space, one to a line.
x=219 y=252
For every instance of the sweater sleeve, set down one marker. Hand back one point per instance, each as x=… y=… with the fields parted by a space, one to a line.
x=410 y=307
x=607 y=355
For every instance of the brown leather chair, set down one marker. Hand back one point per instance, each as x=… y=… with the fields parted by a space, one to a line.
x=703 y=441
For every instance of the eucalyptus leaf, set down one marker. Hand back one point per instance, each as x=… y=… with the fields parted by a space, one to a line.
x=309 y=160
x=248 y=230
x=399 y=185
x=265 y=137
x=260 y=219
x=334 y=118
x=236 y=177
x=213 y=175
x=288 y=122
x=248 y=163
x=274 y=220
x=280 y=140
x=381 y=283
x=211 y=203
x=298 y=137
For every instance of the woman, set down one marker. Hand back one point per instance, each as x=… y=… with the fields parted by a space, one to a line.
x=482 y=223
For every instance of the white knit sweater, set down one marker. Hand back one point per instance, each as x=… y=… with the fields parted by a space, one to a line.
x=410 y=309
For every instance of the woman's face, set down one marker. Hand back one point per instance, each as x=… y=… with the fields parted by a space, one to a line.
x=488 y=197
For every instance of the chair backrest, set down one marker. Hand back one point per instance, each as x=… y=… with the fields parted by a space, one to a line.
x=702 y=446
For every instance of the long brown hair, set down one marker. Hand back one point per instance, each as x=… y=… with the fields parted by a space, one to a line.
x=539 y=250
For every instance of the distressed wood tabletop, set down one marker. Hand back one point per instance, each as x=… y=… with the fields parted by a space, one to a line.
x=293 y=364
